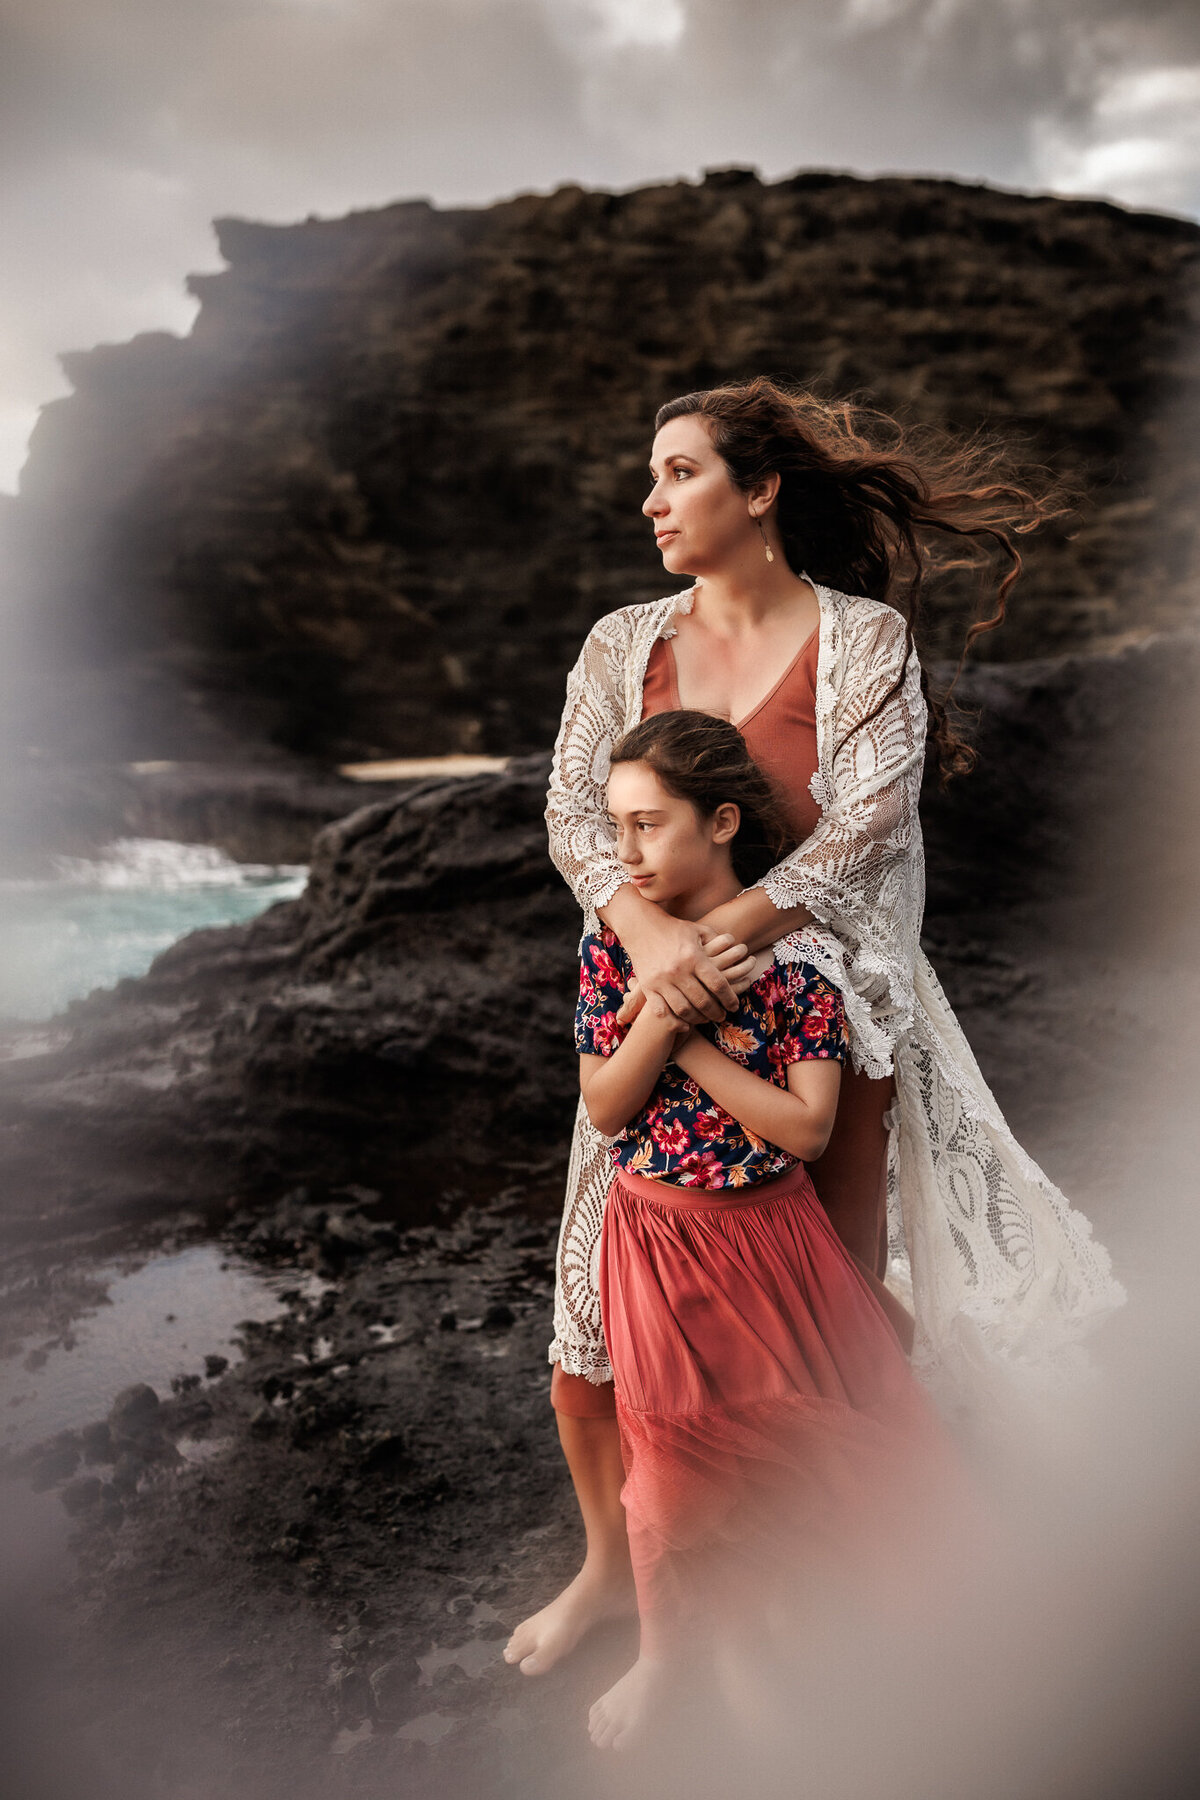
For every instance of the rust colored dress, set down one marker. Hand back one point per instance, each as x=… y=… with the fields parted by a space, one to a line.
x=851 y=1177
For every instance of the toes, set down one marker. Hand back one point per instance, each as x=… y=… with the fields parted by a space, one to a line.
x=600 y=1727
x=533 y=1664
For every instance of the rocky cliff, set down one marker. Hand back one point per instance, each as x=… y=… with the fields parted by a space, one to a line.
x=402 y=1030
x=371 y=504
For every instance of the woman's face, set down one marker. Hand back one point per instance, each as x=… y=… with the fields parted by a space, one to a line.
x=701 y=521
x=667 y=849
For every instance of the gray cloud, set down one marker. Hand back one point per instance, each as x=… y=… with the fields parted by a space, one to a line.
x=126 y=125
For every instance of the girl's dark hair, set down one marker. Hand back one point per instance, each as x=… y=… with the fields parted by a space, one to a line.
x=705 y=760
x=867 y=505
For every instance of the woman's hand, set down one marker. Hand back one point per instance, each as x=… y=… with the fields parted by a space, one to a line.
x=688 y=967
x=734 y=961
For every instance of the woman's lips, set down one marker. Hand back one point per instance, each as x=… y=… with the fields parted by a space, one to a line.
x=662 y=537
x=639 y=879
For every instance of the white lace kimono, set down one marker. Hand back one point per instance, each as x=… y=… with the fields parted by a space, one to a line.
x=1002 y=1275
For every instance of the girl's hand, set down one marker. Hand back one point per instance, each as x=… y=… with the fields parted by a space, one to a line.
x=691 y=969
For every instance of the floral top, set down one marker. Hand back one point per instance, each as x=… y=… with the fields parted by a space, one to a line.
x=790 y=1014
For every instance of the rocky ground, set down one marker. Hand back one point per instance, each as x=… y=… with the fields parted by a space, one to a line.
x=292 y=1576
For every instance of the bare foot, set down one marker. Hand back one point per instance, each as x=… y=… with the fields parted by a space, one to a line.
x=540 y=1642
x=617 y=1717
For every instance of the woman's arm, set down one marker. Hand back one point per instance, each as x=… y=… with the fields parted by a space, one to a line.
x=754 y=919
x=615 y=1088
x=581 y=841
x=689 y=967
x=798 y=1118
x=669 y=956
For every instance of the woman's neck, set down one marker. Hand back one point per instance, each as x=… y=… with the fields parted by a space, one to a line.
x=744 y=596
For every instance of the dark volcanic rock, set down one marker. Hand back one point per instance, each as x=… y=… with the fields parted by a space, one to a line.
x=401 y=1033
x=371 y=504
x=405 y=1021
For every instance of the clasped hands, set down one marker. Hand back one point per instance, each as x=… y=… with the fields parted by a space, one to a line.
x=692 y=975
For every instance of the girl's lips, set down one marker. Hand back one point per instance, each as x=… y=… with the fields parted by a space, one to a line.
x=660 y=537
x=639 y=879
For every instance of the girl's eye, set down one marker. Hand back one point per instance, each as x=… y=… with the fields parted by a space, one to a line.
x=678 y=472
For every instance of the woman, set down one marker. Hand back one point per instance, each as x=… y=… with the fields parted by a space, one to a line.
x=796 y=521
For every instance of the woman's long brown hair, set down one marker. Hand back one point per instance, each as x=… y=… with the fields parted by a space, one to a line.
x=870 y=506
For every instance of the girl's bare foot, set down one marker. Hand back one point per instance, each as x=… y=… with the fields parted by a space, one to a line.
x=617 y=1718
x=543 y=1640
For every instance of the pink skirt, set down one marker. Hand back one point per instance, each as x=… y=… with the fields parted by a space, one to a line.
x=772 y=1431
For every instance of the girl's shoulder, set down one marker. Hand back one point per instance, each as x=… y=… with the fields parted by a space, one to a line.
x=794 y=969
x=603 y=952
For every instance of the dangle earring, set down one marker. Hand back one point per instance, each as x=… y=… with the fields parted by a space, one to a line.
x=763 y=535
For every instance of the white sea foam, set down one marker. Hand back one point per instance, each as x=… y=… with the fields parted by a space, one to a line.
x=98 y=919
x=161 y=865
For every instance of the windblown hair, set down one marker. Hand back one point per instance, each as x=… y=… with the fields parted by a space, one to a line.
x=869 y=506
x=705 y=760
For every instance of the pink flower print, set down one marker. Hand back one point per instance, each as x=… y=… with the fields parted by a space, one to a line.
x=703 y=1169
x=605 y=967
x=784 y=1052
x=607 y=1035
x=587 y=987
x=813 y=1025
x=771 y=988
x=708 y=1126
x=671 y=1139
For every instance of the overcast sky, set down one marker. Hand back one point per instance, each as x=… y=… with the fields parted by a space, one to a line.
x=128 y=125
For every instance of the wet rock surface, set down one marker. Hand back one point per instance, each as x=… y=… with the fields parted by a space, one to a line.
x=298 y=1578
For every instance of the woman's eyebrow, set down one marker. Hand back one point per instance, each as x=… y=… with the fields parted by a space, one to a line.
x=676 y=456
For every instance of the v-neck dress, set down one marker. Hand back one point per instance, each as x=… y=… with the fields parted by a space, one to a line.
x=850 y=1178
x=780 y=733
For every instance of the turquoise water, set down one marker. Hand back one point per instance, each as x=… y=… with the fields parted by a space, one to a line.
x=99 y=920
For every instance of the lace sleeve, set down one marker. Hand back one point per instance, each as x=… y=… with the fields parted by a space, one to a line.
x=857 y=872
x=581 y=844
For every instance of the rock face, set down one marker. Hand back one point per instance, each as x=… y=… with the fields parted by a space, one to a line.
x=403 y=1029
x=405 y=1022
x=372 y=503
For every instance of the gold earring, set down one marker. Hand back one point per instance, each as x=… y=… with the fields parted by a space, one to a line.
x=762 y=534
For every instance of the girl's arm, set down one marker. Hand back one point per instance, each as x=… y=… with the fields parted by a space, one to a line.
x=615 y=1088
x=798 y=1118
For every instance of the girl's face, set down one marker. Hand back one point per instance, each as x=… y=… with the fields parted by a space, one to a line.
x=671 y=853
x=701 y=521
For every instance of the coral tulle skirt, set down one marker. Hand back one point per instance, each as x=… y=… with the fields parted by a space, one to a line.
x=773 y=1434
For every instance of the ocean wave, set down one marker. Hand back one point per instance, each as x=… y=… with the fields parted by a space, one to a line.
x=161 y=865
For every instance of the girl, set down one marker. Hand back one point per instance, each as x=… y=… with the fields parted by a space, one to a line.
x=808 y=529
x=763 y=1399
